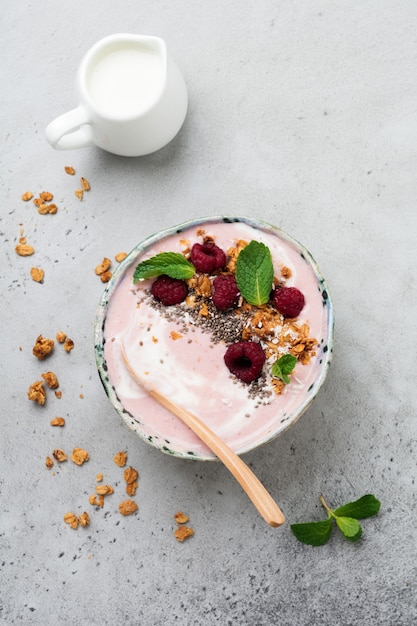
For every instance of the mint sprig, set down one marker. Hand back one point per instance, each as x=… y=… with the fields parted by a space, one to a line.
x=283 y=367
x=172 y=264
x=346 y=518
x=255 y=273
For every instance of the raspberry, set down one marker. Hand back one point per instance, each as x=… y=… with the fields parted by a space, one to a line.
x=289 y=301
x=207 y=257
x=225 y=292
x=169 y=290
x=245 y=359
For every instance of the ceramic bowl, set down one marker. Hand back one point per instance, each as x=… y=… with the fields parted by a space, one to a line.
x=206 y=387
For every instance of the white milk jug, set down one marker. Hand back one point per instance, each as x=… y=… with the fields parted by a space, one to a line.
x=132 y=98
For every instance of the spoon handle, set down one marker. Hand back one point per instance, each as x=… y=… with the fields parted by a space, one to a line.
x=255 y=490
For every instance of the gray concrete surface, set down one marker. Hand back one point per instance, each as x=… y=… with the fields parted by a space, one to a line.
x=303 y=113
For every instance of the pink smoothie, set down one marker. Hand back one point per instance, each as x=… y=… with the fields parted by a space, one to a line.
x=187 y=367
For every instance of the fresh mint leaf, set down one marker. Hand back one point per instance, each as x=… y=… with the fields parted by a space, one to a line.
x=172 y=264
x=313 y=533
x=283 y=367
x=366 y=506
x=349 y=527
x=346 y=518
x=255 y=273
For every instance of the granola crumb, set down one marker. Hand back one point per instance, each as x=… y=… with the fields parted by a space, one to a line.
x=71 y=519
x=181 y=518
x=79 y=456
x=131 y=488
x=61 y=336
x=57 y=421
x=37 y=274
x=79 y=193
x=130 y=475
x=99 y=477
x=127 y=507
x=96 y=500
x=43 y=346
x=49 y=462
x=68 y=344
x=58 y=394
x=59 y=455
x=24 y=249
x=103 y=267
x=69 y=170
x=120 y=256
x=37 y=392
x=84 y=519
x=28 y=195
x=183 y=532
x=46 y=196
x=46 y=209
x=85 y=185
x=120 y=459
x=50 y=379
x=105 y=277
x=104 y=490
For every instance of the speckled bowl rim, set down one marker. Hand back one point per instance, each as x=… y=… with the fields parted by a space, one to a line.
x=325 y=355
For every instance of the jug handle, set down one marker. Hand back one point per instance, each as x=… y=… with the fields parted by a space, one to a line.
x=70 y=130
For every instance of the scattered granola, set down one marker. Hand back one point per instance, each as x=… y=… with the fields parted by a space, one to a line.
x=120 y=459
x=49 y=462
x=50 y=379
x=69 y=170
x=37 y=274
x=127 y=507
x=43 y=346
x=79 y=193
x=59 y=455
x=37 y=392
x=79 y=456
x=183 y=532
x=99 y=477
x=28 y=195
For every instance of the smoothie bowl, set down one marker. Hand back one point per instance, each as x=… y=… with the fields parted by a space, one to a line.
x=228 y=317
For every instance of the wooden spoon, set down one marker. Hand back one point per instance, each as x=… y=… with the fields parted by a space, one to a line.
x=257 y=493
